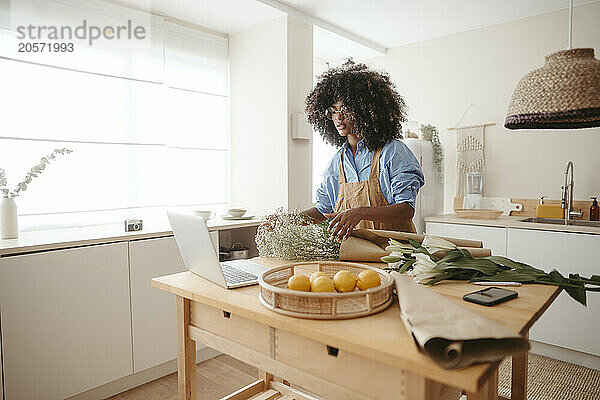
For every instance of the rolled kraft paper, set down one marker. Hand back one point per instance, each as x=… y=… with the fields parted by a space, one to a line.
x=453 y=336
x=369 y=245
x=382 y=237
x=450 y=354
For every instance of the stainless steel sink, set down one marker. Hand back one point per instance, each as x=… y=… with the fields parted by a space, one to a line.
x=554 y=221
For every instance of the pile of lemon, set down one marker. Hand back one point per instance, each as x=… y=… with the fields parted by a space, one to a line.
x=343 y=281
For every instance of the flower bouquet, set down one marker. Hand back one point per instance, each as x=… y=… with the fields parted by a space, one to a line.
x=436 y=259
x=292 y=235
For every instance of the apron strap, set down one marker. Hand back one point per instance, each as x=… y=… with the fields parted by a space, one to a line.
x=374 y=174
x=341 y=175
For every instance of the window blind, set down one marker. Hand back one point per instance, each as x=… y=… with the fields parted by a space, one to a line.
x=147 y=119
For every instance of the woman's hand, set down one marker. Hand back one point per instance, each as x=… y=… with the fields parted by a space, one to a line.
x=344 y=221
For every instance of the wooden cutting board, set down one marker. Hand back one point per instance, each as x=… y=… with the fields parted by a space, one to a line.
x=493 y=203
x=501 y=203
x=529 y=206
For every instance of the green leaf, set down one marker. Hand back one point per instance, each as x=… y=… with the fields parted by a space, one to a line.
x=575 y=291
x=557 y=277
x=508 y=276
x=484 y=266
x=441 y=277
x=466 y=253
x=512 y=264
x=424 y=251
x=391 y=259
x=406 y=265
x=579 y=292
x=414 y=243
x=452 y=255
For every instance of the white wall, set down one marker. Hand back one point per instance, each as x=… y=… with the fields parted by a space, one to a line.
x=258 y=109
x=300 y=83
x=270 y=76
x=440 y=78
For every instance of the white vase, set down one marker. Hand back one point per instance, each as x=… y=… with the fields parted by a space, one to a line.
x=8 y=219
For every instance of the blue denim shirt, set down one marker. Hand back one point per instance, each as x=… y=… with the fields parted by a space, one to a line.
x=400 y=175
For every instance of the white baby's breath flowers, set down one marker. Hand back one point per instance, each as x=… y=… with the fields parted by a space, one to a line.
x=433 y=244
x=423 y=268
x=291 y=235
x=33 y=173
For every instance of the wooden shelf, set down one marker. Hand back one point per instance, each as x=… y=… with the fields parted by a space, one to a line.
x=268 y=389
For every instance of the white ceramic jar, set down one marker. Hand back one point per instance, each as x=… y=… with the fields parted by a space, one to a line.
x=8 y=219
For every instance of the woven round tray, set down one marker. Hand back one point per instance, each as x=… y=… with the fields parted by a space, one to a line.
x=319 y=305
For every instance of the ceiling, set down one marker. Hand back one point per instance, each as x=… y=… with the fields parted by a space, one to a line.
x=223 y=16
x=392 y=23
x=358 y=27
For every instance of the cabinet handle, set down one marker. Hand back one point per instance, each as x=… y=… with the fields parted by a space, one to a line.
x=333 y=351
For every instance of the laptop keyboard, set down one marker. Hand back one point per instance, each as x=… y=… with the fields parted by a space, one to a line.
x=234 y=276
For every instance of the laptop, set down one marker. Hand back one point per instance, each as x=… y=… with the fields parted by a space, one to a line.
x=200 y=256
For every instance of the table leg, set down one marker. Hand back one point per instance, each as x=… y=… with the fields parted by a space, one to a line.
x=489 y=390
x=417 y=387
x=265 y=376
x=186 y=353
x=518 y=390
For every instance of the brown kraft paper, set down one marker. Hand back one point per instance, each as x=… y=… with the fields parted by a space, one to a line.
x=453 y=336
x=369 y=245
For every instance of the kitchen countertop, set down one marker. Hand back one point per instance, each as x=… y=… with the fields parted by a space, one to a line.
x=512 y=222
x=52 y=239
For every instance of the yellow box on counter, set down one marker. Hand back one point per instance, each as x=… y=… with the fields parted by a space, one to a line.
x=549 y=211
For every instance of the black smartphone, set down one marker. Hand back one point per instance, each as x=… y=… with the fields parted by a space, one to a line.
x=490 y=296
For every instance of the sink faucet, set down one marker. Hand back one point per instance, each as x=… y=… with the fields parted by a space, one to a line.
x=567 y=195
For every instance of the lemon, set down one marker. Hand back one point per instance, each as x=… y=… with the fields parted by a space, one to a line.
x=323 y=284
x=368 y=279
x=315 y=275
x=344 y=281
x=299 y=282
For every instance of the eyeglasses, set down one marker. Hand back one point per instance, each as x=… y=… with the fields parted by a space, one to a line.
x=342 y=113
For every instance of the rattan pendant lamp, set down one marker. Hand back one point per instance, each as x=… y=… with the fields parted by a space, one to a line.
x=563 y=94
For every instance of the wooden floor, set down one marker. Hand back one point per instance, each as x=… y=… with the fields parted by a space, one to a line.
x=215 y=378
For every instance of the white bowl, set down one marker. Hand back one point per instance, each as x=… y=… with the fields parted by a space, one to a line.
x=236 y=212
x=206 y=214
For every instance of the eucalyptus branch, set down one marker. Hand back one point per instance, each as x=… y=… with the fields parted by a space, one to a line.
x=34 y=172
x=3 y=183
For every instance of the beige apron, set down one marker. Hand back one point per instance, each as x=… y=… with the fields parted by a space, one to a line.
x=367 y=193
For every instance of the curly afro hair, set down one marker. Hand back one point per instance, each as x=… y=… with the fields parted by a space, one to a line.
x=376 y=108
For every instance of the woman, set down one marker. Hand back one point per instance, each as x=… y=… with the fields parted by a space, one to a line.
x=372 y=181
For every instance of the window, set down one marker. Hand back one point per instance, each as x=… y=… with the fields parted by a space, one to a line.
x=147 y=119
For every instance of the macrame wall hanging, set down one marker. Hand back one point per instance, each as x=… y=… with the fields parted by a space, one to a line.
x=469 y=154
x=470 y=144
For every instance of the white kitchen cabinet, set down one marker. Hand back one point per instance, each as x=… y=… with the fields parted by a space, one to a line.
x=152 y=310
x=566 y=323
x=493 y=238
x=65 y=321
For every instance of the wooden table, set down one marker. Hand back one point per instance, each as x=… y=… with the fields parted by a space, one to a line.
x=365 y=358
